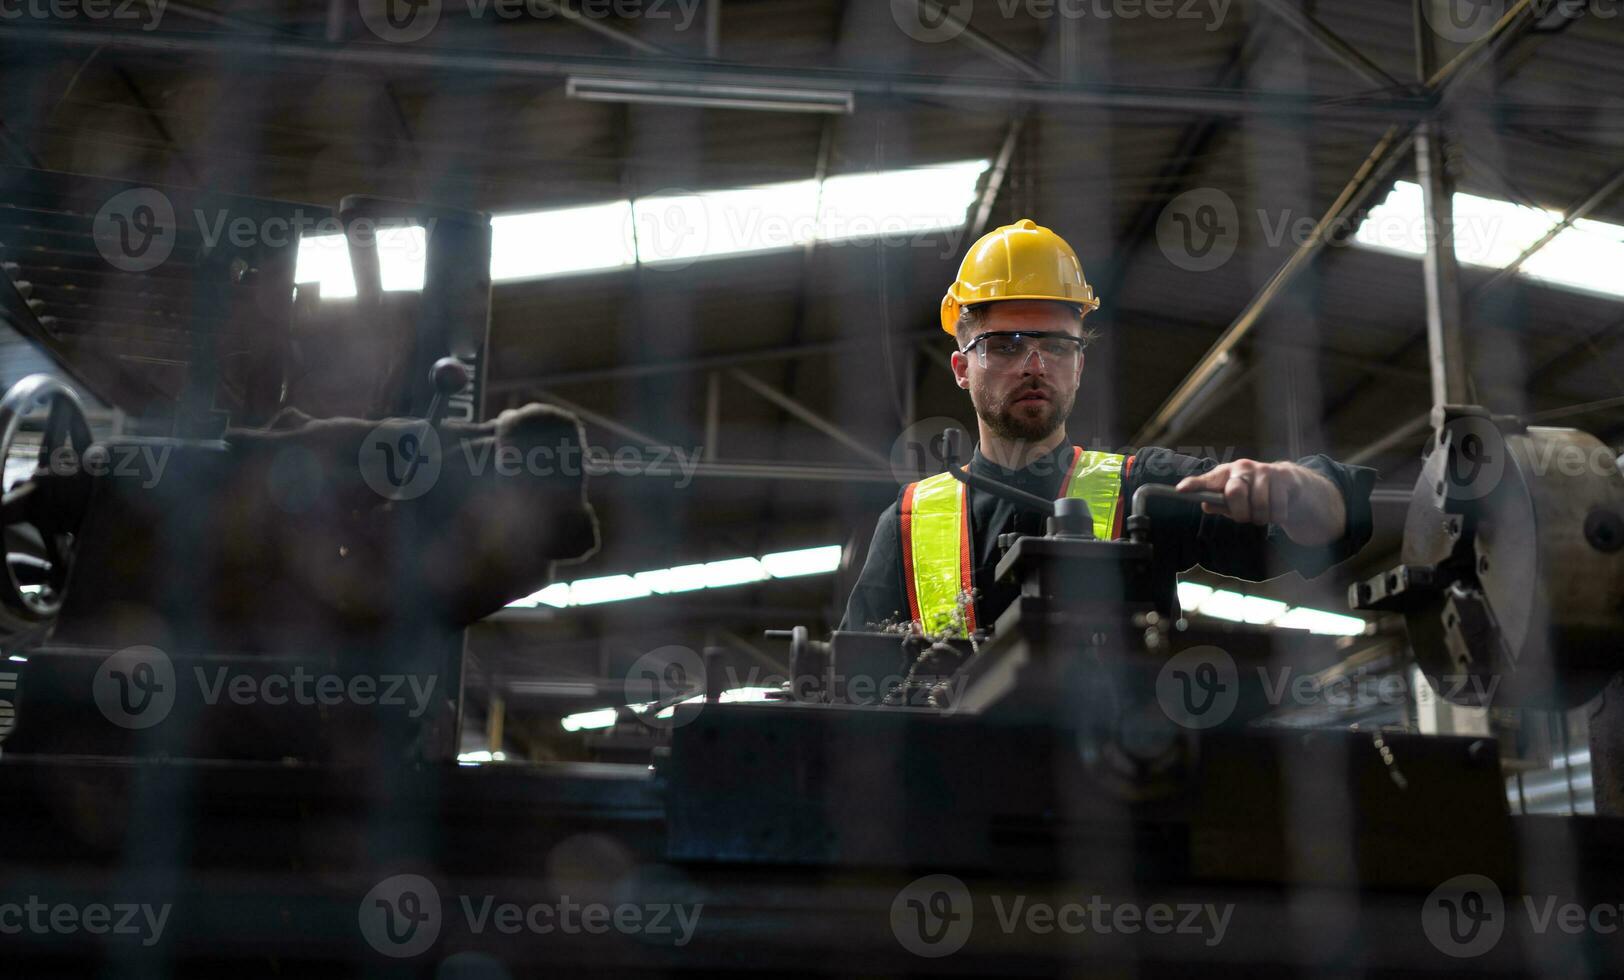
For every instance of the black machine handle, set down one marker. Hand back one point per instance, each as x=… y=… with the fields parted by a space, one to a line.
x=448 y=376
x=950 y=455
x=1141 y=497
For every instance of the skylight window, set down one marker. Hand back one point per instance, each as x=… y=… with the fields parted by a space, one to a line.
x=731 y=222
x=1204 y=600
x=686 y=578
x=1195 y=598
x=1588 y=256
x=1491 y=234
x=898 y=202
x=810 y=561
x=668 y=229
x=325 y=259
x=401 y=254
x=559 y=242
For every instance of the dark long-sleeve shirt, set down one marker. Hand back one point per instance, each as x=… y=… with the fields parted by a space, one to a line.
x=1181 y=534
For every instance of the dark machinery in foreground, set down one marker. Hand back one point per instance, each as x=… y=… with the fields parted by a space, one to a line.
x=1092 y=749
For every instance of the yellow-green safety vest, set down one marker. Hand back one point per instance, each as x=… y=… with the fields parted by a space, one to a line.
x=937 y=562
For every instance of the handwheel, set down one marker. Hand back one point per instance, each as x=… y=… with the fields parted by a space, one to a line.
x=40 y=517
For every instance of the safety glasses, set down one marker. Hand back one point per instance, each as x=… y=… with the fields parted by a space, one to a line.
x=1004 y=351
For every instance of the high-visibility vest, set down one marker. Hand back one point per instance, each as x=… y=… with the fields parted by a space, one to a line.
x=937 y=563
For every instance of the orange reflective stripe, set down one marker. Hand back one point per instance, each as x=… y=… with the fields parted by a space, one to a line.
x=967 y=582
x=1122 y=495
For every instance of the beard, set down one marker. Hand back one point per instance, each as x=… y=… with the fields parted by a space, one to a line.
x=1022 y=423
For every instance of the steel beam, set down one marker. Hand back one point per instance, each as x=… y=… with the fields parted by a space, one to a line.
x=603 y=421
x=996 y=177
x=1505 y=32
x=1568 y=411
x=1371 y=174
x=711 y=468
x=877 y=84
x=1191 y=148
x=1381 y=161
x=922 y=338
x=1419 y=424
x=1408 y=430
x=713 y=415
x=1303 y=22
x=981 y=43
x=598 y=27
x=713 y=29
x=808 y=416
x=710 y=362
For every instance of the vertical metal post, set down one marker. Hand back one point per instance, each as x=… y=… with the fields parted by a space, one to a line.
x=713 y=414
x=1446 y=354
x=495 y=718
x=713 y=30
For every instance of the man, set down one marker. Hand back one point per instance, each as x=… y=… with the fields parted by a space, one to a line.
x=1016 y=314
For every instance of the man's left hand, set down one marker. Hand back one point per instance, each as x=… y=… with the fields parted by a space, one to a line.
x=1306 y=505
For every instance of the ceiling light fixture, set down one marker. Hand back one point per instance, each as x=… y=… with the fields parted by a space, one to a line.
x=703 y=96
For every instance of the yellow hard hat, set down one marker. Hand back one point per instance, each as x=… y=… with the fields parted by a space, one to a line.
x=1019 y=261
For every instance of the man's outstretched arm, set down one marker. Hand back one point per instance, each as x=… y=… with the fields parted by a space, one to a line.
x=1302 y=502
x=1277 y=517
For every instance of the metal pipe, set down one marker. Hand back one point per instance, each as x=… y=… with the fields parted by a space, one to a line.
x=1440 y=269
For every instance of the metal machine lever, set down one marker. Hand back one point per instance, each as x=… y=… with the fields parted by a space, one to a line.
x=449 y=376
x=1144 y=493
x=950 y=455
x=1138 y=523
